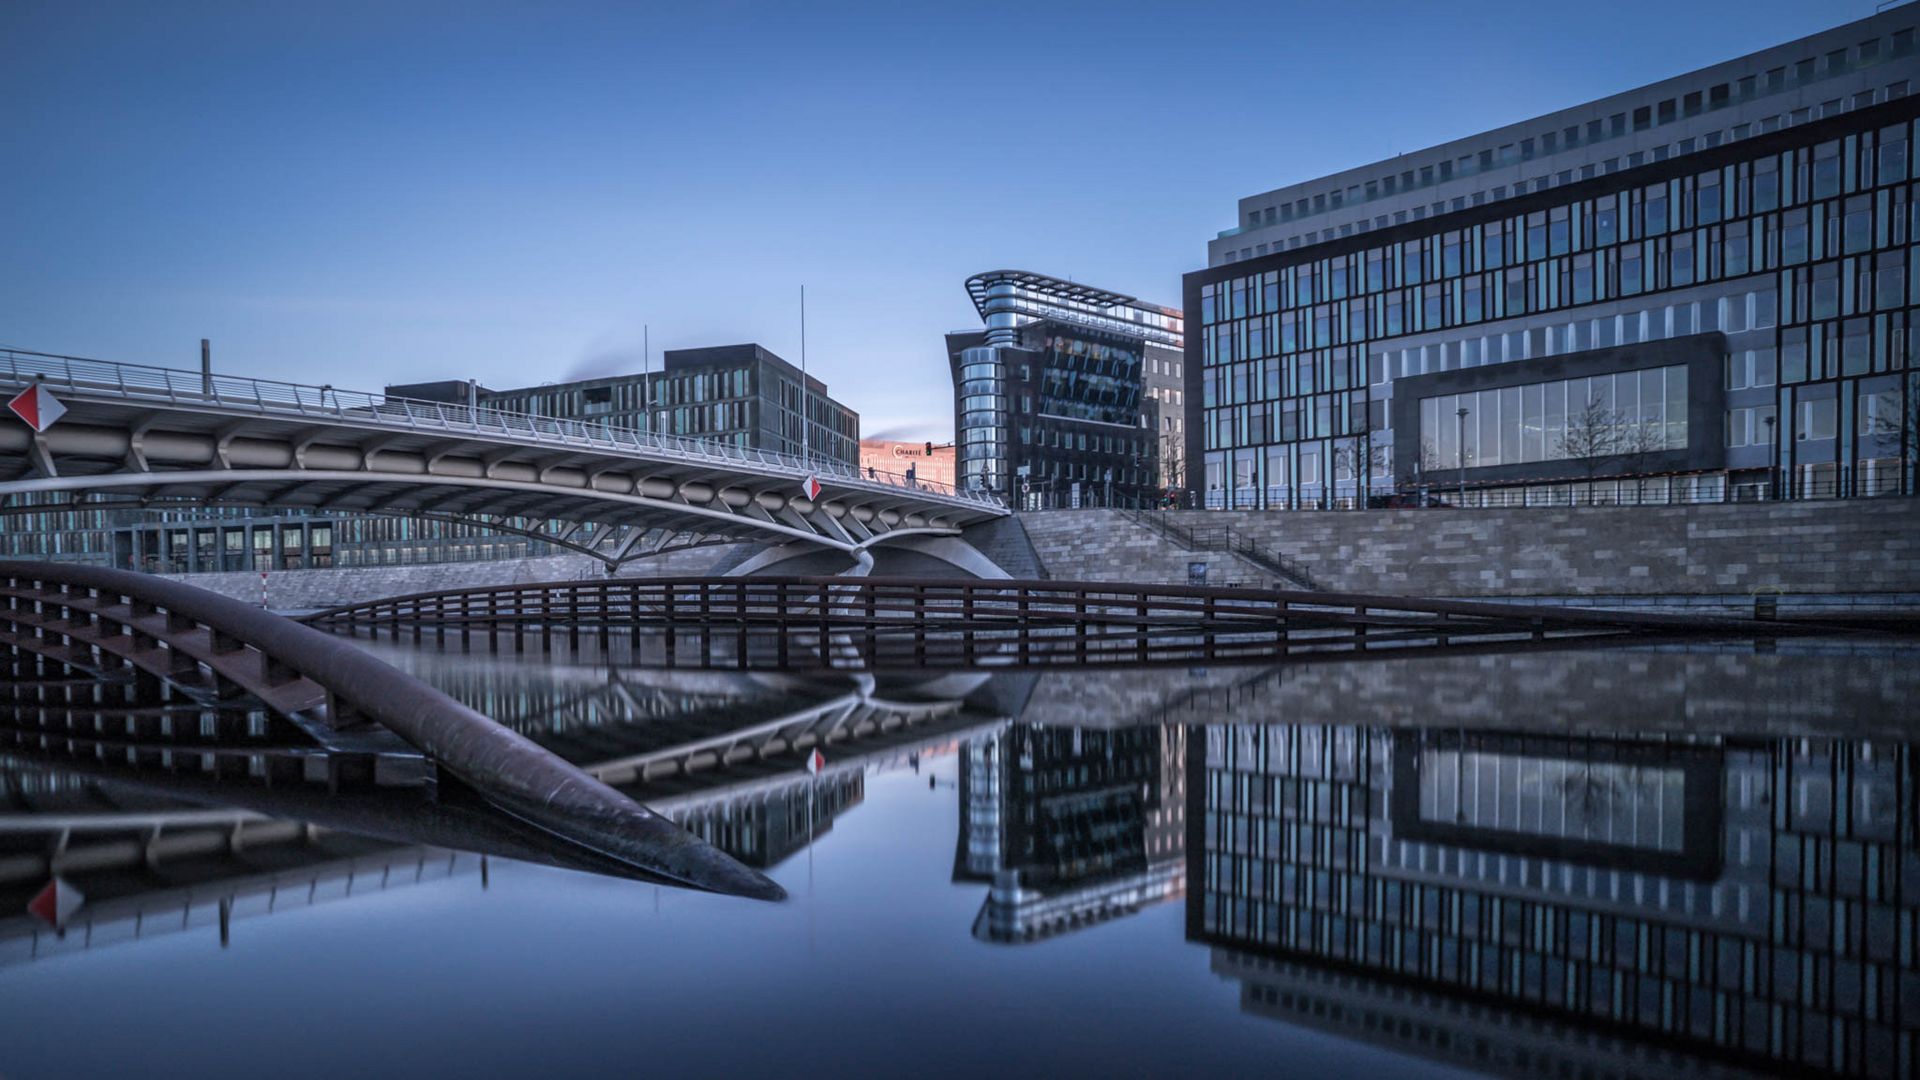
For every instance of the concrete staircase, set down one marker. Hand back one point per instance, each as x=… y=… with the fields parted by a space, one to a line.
x=1224 y=540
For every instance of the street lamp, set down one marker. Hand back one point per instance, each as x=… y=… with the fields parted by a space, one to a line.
x=1461 y=440
x=1773 y=464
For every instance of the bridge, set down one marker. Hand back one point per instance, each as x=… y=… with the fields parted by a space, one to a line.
x=113 y=666
x=895 y=623
x=165 y=437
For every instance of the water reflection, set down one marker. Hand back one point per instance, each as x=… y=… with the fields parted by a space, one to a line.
x=1071 y=826
x=1739 y=898
x=1619 y=863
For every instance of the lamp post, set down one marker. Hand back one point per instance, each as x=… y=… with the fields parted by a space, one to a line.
x=1773 y=466
x=1461 y=440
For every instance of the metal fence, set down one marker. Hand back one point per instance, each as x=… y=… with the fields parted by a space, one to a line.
x=859 y=623
x=1691 y=489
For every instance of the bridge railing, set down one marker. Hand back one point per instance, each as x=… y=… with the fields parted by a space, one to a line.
x=912 y=622
x=268 y=397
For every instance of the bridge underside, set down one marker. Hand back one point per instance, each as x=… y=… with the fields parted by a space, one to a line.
x=611 y=504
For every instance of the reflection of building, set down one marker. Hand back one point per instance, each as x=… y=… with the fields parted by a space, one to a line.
x=1069 y=389
x=1071 y=826
x=1502 y=305
x=763 y=829
x=1738 y=899
x=894 y=456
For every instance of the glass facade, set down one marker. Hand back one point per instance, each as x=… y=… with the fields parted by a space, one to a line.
x=1795 y=245
x=1058 y=402
x=1564 y=420
x=188 y=541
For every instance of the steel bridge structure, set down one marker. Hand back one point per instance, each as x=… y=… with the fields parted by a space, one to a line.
x=163 y=437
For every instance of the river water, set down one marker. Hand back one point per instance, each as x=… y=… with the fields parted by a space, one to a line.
x=1594 y=862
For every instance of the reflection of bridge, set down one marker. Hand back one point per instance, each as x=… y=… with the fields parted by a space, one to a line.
x=149 y=864
x=110 y=666
x=608 y=492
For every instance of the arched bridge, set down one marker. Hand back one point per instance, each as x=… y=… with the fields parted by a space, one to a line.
x=614 y=493
x=132 y=668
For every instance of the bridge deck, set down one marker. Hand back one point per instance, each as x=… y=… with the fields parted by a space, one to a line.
x=224 y=440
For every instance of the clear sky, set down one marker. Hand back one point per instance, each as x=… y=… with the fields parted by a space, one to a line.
x=359 y=194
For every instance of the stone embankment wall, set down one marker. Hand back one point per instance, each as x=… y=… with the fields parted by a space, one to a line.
x=1842 y=547
x=307 y=590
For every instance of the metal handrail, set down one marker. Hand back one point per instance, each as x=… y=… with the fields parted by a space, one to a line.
x=267 y=397
x=966 y=601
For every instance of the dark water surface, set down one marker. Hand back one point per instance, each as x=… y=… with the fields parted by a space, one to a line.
x=1619 y=862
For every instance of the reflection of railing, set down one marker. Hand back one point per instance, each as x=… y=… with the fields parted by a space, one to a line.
x=882 y=622
x=263 y=397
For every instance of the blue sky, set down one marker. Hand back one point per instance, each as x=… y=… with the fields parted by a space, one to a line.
x=359 y=194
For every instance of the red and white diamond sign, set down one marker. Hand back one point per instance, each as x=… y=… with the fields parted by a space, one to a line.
x=37 y=407
x=816 y=761
x=56 y=903
x=811 y=487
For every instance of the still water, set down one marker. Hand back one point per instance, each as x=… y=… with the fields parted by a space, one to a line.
x=1608 y=862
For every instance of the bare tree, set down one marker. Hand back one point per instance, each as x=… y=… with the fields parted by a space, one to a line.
x=1593 y=435
x=1358 y=460
x=1896 y=427
x=1638 y=442
x=1426 y=466
x=1173 y=460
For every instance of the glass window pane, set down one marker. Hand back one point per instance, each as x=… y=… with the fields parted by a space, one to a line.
x=1676 y=410
x=1510 y=426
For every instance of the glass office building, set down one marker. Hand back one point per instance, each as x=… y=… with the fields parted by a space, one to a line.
x=1698 y=290
x=741 y=395
x=1069 y=395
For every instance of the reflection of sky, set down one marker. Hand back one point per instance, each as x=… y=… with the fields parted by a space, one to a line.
x=870 y=967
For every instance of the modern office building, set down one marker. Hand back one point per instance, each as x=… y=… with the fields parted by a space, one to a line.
x=1525 y=904
x=1064 y=399
x=1699 y=289
x=742 y=395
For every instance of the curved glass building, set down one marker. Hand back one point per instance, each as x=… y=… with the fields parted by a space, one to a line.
x=1069 y=396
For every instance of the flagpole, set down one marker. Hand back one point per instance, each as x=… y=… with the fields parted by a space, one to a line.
x=806 y=391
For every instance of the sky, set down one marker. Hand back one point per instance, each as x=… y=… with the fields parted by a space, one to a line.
x=360 y=194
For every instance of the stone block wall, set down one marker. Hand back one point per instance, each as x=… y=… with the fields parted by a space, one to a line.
x=1836 y=547
x=1105 y=545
